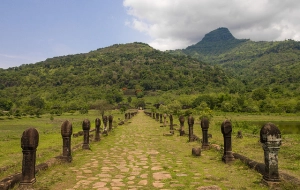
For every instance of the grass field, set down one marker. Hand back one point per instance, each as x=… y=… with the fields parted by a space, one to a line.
x=50 y=143
x=50 y=140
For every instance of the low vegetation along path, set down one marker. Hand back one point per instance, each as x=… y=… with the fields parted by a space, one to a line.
x=137 y=156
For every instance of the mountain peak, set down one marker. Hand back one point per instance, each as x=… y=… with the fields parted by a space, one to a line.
x=215 y=42
x=220 y=34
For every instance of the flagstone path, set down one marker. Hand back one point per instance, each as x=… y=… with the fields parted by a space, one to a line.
x=138 y=156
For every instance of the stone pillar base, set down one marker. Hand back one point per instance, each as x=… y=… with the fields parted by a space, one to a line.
x=86 y=147
x=205 y=147
x=27 y=185
x=271 y=184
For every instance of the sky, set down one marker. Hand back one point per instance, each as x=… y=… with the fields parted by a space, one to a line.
x=34 y=30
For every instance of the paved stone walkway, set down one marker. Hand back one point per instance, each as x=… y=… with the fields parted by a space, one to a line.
x=138 y=156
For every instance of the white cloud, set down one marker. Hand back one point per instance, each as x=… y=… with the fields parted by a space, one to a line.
x=178 y=23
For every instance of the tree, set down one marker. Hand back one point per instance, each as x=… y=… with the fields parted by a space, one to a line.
x=259 y=94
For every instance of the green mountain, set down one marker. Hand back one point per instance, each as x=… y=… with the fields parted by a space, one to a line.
x=256 y=64
x=215 y=42
x=104 y=74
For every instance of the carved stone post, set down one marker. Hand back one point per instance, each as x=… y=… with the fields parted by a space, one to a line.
x=110 y=120
x=181 y=130
x=205 y=126
x=165 y=122
x=157 y=116
x=66 y=132
x=97 y=124
x=160 y=118
x=171 y=124
x=29 y=143
x=270 y=137
x=86 y=134
x=104 y=118
x=191 y=130
x=226 y=129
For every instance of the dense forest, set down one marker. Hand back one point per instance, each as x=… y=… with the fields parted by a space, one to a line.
x=219 y=73
x=76 y=82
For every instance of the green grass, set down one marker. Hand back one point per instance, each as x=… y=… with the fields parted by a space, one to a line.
x=174 y=151
x=50 y=140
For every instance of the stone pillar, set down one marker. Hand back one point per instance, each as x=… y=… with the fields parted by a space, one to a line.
x=181 y=130
x=270 y=137
x=29 y=143
x=165 y=121
x=66 y=132
x=97 y=125
x=171 y=123
x=191 y=130
x=160 y=118
x=110 y=120
x=205 y=126
x=86 y=134
x=226 y=129
x=157 y=116
x=104 y=118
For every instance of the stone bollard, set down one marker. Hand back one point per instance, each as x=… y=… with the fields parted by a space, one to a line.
x=104 y=118
x=204 y=127
x=66 y=132
x=165 y=121
x=160 y=118
x=97 y=125
x=171 y=124
x=226 y=129
x=181 y=130
x=191 y=130
x=270 y=137
x=86 y=134
x=110 y=120
x=29 y=143
x=157 y=116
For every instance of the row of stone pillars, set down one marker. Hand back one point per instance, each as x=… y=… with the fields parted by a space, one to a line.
x=270 y=137
x=162 y=118
x=30 y=140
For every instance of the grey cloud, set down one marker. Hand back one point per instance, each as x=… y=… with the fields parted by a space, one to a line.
x=176 y=24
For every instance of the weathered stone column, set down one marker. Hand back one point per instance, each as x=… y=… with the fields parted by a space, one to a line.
x=86 y=134
x=181 y=130
x=157 y=116
x=29 y=143
x=110 y=120
x=171 y=124
x=165 y=121
x=205 y=126
x=191 y=128
x=104 y=118
x=97 y=125
x=160 y=118
x=270 y=137
x=66 y=133
x=226 y=129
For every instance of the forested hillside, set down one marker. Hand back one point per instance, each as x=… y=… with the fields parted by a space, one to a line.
x=256 y=64
x=74 y=82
